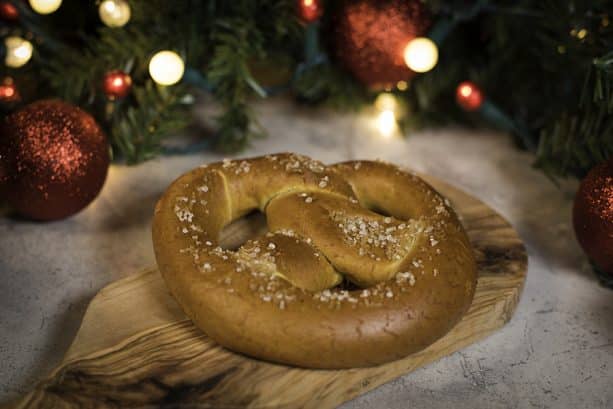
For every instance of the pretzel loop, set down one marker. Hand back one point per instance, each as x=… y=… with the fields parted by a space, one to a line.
x=370 y=224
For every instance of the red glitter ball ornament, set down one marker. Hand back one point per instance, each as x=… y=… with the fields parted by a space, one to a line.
x=310 y=10
x=469 y=96
x=8 y=91
x=8 y=11
x=117 y=84
x=370 y=37
x=593 y=216
x=53 y=160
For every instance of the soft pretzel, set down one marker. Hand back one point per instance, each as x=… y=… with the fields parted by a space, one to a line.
x=363 y=262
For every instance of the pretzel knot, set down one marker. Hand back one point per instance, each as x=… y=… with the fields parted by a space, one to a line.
x=363 y=262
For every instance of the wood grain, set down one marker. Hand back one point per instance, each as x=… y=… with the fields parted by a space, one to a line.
x=136 y=348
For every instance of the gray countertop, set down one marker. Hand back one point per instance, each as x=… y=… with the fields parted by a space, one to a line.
x=556 y=352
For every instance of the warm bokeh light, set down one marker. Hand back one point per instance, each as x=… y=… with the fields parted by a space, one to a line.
x=402 y=85
x=45 y=6
x=386 y=123
x=166 y=68
x=8 y=90
x=18 y=51
x=386 y=102
x=421 y=54
x=114 y=13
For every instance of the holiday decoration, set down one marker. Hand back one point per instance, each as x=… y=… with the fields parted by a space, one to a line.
x=309 y=10
x=371 y=37
x=421 y=54
x=593 y=218
x=469 y=96
x=18 y=51
x=8 y=11
x=54 y=160
x=45 y=6
x=166 y=68
x=114 y=13
x=117 y=84
x=387 y=107
x=383 y=43
x=8 y=91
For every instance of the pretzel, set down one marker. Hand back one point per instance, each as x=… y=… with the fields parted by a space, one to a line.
x=363 y=262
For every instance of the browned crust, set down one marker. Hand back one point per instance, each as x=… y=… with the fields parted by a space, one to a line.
x=306 y=331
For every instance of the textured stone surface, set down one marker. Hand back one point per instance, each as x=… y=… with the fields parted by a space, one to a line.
x=556 y=352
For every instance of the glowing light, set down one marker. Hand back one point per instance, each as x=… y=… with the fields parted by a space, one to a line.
x=114 y=13
x=18 y=51
x=386 y=102
x=466 y=90
x=402 y=85
x=421 y=54
x=386 y=123
x=166 y=68
x=45 y=6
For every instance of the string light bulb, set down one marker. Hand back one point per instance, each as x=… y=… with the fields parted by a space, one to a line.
x=18 y=51
x=421 y=54
x=166 y=68
x=114 y=13
x=45 y=6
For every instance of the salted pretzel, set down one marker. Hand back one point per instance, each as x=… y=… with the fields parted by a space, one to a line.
x=363 y=263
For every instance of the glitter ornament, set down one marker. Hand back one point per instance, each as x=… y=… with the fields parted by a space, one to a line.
x=593 y=217
x=8 y=11
x=370 y=38
x=469 y=96
x=117 y=84
x=54 y=160
x=310 y=10
x=8 y=91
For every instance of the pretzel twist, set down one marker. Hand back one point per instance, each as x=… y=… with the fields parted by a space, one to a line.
x=363 y=262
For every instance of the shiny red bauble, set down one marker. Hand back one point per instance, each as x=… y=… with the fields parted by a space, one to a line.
x=469 y=96
x=117 y=84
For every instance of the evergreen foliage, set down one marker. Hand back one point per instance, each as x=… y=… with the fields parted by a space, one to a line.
x=547 y=64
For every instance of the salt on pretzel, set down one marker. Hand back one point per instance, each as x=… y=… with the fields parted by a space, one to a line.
x=363 y=263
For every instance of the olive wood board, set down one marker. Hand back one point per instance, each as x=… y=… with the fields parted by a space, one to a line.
x=136 y=348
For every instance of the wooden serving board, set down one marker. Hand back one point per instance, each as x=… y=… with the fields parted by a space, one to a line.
x=136 y=348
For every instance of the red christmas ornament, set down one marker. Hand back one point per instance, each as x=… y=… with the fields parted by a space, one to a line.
x=370 y=37
x=117 y=84
x=8 y=91
x=310 y=10
x=54 y=160
x=8 y=11
x=593 y=216
x=469 y=96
